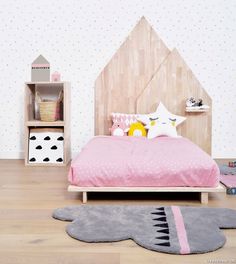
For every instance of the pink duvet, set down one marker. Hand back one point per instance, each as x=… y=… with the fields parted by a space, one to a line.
x=137 y=161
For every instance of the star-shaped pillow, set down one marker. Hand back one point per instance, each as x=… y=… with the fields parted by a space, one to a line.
x=161 y=122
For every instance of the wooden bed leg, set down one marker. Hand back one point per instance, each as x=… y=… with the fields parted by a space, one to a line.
x=84 y=199
x=204 y=197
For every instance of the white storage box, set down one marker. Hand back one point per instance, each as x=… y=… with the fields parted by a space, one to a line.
x=46 y=145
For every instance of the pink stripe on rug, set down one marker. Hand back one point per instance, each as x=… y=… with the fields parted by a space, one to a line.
x=181 y=231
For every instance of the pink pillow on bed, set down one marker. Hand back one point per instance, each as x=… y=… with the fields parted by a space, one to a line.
x=126 y=119
x=121 y=123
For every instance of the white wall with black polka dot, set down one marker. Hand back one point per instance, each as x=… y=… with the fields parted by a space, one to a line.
x=79 y=37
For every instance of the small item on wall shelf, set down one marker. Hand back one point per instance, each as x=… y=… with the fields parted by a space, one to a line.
x=40 y=70
x=193 y=105
x=56 y=77
x=49 y=110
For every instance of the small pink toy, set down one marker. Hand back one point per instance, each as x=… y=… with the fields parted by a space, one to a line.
x=119 y=128
x=56 y=77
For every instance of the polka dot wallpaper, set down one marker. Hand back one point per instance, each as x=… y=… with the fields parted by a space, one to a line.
x=79 y=37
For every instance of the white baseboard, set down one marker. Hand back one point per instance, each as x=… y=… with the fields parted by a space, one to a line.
x=11 y=155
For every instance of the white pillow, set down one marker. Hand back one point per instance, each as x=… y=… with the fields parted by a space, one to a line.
x=161 y=122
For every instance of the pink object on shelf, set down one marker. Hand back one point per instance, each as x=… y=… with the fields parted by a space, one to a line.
x=56 y=77
x=139 y=162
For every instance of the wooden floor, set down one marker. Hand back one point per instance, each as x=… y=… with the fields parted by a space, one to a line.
x=28 y=233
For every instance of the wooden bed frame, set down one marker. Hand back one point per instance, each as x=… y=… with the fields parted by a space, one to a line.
x=142 y=73
x=202 y=191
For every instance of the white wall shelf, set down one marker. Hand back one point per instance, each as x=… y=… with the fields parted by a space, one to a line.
x=196 y=109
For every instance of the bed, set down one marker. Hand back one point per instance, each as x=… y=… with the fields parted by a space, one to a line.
x=143 y=73
x=112 y=163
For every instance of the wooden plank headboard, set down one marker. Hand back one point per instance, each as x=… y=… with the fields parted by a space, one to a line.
x=127 y=74
x=144 y=72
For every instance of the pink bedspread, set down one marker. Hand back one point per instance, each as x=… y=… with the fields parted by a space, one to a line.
x=137 y=161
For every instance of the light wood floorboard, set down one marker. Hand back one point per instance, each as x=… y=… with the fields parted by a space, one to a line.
x=28 y=233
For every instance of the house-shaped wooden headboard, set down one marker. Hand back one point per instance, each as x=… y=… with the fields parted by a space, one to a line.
x=144 y=72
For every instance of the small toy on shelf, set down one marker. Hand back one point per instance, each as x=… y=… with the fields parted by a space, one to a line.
x=56 y=77
x=193 y=105
x=190 y=102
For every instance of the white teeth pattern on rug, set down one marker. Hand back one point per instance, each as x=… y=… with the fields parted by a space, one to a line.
x=170 y=229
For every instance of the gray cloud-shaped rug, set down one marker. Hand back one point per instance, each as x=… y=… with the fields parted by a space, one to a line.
x=170 y=229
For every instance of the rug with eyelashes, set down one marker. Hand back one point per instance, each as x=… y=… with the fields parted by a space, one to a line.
x=170 y=229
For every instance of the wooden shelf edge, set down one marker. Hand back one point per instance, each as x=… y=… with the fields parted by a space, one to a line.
x=43 y=123
x=196 y=111
x=61 y=82
x=45 y=164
